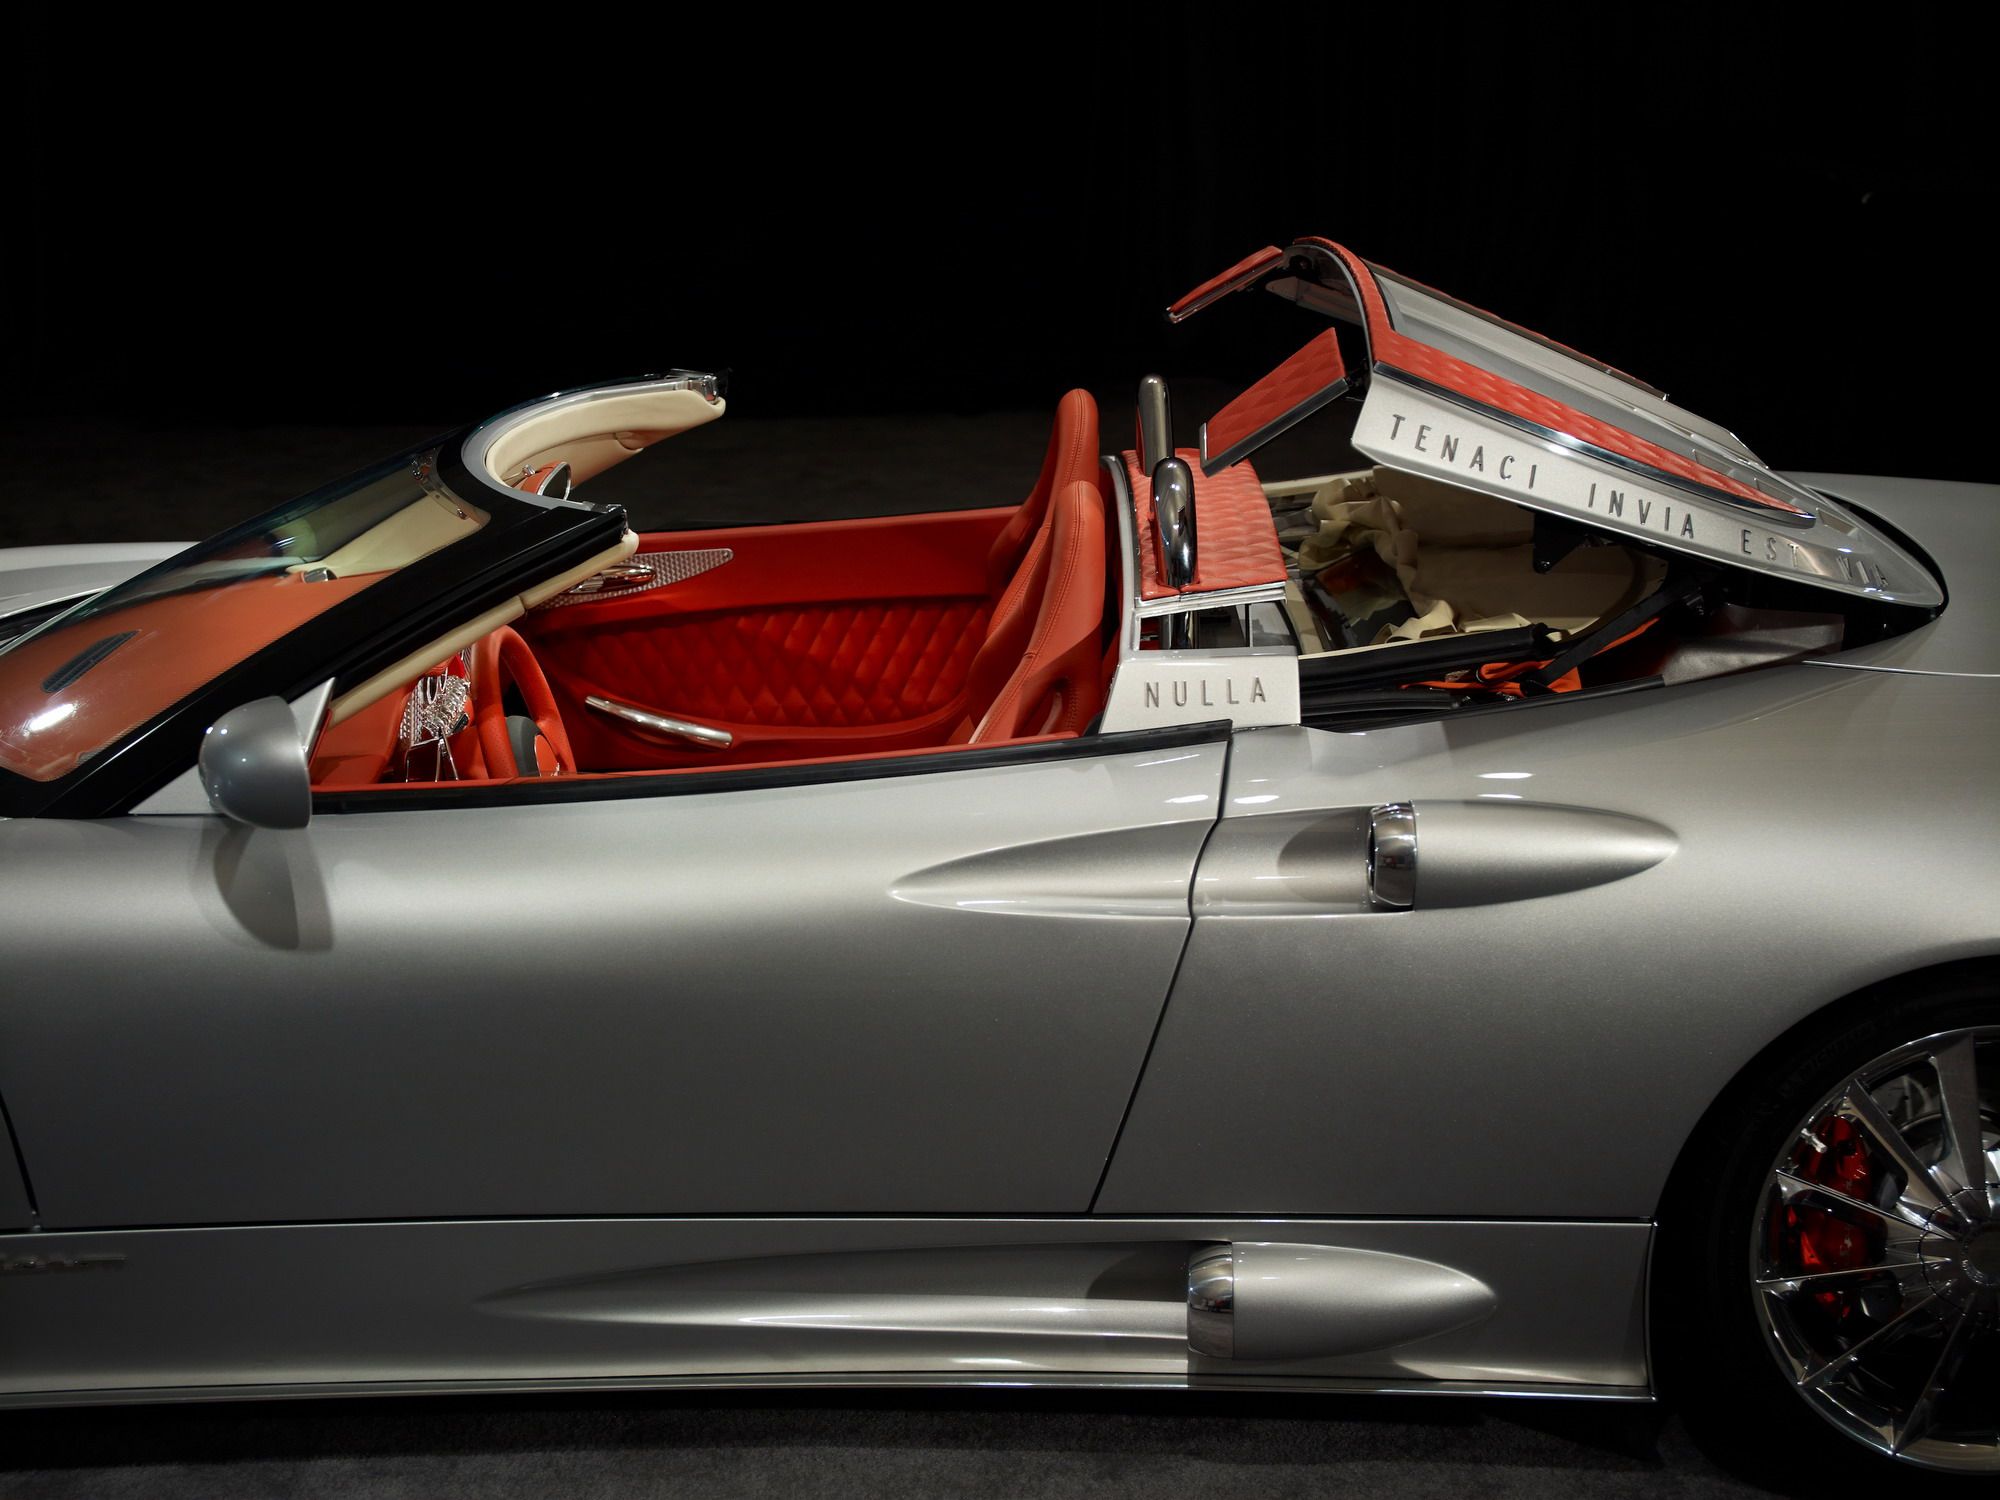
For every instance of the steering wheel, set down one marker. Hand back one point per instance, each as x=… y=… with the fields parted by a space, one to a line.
x=498 y=659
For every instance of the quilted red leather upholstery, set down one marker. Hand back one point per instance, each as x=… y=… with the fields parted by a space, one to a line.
x=818 y=639
x=1236 y=541
x=814 y=667
x=1244 y=271
x=1314 y=369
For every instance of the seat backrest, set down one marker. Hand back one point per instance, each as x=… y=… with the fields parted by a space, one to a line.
x=1072 y=455
x=1057 y=685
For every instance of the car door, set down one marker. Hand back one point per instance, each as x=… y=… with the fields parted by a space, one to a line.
x=919 y=985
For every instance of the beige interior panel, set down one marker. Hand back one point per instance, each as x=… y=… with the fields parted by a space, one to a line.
x=592 y=435
x=415 y=531
x=1467 y=559
x=406 y=671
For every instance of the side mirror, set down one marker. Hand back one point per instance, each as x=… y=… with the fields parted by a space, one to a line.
x=253 y=766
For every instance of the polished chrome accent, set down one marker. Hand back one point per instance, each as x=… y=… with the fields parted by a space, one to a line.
x=1173 y=513
x=556 y=485
x=1927 y=1290
x=704 y=735
x=1211 y=1302
x=1156 y=423
x=1259 y=1302
x=619 y=573
x=438 y=707
x=1174 y=604
x=1327 y=1385
x=1392 y=857
x=643 y=570
x=317 y=575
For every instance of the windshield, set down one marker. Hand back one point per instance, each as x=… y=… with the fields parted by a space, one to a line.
x=94 y=673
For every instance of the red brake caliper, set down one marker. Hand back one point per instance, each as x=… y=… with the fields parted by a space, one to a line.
x=1812 y=1239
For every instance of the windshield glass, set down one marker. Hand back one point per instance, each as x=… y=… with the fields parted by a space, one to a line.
x=94 y=673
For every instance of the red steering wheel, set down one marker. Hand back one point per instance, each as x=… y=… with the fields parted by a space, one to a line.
x=498 y=659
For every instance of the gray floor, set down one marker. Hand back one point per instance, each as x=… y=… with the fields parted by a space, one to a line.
x=882 y=1445
x=62 y=484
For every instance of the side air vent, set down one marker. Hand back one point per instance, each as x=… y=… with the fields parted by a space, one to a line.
x=84 y=660
x=1264 y=1303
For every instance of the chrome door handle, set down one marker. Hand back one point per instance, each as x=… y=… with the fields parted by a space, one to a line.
x=618 y=575
x=705 y=735
x=1392 y=857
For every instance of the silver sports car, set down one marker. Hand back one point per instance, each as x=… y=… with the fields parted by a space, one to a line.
x=1517 y=916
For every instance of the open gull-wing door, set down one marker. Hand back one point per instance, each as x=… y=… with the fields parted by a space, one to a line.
x=1455 y=394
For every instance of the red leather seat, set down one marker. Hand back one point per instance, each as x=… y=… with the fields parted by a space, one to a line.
x=886 y=644
x=1072 y=455
x=1056 y=684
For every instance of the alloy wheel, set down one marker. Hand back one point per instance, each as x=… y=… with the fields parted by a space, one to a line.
x=1875 y=1256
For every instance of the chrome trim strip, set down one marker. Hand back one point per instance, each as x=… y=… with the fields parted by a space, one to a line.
x=704 y=735
x=1780 y=512
x=913 y=1380
x=1173 y=604
x=1862 y=666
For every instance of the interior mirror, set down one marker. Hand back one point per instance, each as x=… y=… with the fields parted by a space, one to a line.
x=253 y=766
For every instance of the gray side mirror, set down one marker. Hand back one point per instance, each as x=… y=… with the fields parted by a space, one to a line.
x=253 y=766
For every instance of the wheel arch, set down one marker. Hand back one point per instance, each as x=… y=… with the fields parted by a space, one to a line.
x=1937 y=981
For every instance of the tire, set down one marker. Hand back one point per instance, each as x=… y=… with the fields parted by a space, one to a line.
x=1763 y=1283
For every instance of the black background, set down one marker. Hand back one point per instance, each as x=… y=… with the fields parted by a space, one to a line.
x=311 y=218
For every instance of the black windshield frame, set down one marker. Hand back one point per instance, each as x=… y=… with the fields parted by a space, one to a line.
x=526 y=540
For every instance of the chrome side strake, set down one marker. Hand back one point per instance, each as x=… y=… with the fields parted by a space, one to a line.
x=826 y=1300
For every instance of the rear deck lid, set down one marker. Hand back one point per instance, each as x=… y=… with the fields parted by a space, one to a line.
x=1457 y=394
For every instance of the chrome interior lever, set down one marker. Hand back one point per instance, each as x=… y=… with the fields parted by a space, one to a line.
x=705 y=735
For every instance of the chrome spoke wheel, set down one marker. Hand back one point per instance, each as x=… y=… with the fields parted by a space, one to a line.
x=1875 y=1257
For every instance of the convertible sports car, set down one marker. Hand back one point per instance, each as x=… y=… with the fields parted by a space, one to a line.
x=1518 y=916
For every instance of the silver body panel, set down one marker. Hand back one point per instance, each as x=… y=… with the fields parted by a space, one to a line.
x=644 y=1301
x=598 y=1092
x=1954 y=523
x=16 y=1212
x=1548 y=1057
x=827 y=998
x=31 y=577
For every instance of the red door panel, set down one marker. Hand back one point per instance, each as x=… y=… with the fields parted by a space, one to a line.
x=824 y=638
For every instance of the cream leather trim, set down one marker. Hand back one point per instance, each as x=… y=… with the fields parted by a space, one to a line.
x=417 y=530
x=541 y=593
x=592 y=435
x=418 y=662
